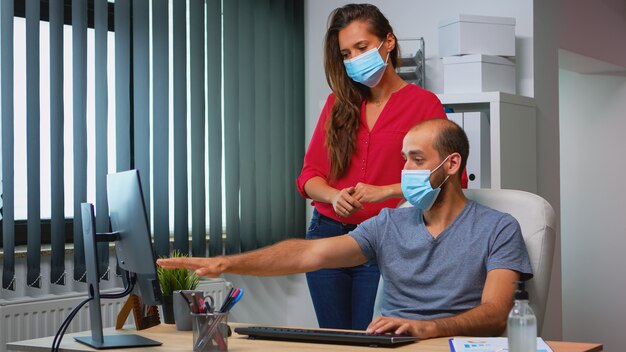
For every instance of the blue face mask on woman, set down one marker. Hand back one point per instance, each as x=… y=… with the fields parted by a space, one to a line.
x=367 y=68
x=417 y=189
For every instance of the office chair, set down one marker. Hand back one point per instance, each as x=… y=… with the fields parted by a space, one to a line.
x=538 y=223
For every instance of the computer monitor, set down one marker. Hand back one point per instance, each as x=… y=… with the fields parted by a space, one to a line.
x=134 y=252
x=134 y=247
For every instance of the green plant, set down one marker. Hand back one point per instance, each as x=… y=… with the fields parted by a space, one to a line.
x=176 y=279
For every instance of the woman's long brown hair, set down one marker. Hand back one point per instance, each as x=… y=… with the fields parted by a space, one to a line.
x=344 y=121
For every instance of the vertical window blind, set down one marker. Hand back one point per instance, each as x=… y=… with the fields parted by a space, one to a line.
x=8 y=180
x=204 y=97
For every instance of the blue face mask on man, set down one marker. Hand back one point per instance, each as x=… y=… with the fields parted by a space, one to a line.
x=367 y=68
x=417 y=189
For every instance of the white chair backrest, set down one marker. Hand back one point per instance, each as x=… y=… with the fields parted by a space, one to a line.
x=538 y=223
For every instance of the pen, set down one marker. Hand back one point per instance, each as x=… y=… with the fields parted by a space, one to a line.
x=196 y=306
x=234 y=300
x=230 y=297
x=201 y=305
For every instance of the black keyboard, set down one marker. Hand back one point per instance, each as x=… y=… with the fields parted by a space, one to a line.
x=324 y=336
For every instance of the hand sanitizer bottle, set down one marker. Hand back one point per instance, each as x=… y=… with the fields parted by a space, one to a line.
x=522 y=324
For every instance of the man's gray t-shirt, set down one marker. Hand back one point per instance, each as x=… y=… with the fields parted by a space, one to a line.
x=427 y=277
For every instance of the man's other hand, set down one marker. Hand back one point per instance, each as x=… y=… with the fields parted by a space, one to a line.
x=399 y=326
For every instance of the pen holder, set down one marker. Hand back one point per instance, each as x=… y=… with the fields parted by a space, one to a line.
x=210 y=332
x=181 y=308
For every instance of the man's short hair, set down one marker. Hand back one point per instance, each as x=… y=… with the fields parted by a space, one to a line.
x=451 y=138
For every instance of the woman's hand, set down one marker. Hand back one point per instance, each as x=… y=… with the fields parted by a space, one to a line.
x=344 y=202
x=365 y=193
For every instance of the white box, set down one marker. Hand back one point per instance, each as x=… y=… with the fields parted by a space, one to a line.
x=470 y=34
x=478 y=73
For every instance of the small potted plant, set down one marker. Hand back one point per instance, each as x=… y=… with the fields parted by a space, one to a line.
x=172 y=280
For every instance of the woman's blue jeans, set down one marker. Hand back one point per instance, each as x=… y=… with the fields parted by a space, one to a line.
x=343 y=298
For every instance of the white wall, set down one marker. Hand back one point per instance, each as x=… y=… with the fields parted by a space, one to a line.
x=594 y=28
x=592 y=120
x=593 y=225
x=279 y=300
x=546 y=93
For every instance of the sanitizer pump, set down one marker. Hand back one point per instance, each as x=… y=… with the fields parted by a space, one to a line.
x=522 y=324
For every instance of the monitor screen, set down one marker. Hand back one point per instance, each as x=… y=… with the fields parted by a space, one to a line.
x=134 y=248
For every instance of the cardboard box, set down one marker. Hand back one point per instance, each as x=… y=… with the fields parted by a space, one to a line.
x=478 y=73
x=470 y=34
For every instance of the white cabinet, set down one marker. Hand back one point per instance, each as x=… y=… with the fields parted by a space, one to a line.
x=504 y=156
x=476 y=126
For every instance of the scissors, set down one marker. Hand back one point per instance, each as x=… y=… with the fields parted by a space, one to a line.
x=209 y=304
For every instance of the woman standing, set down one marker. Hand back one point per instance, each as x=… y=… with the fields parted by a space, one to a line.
x=353 y=164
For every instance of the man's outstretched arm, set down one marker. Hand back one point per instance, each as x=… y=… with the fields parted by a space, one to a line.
x=284 y=258
x=487 y=319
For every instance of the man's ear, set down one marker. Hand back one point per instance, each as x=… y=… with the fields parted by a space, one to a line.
x=454 y=164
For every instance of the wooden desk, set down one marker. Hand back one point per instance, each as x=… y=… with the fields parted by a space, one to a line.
x=181 y=341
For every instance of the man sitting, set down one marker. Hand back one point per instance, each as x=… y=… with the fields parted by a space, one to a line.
x=448 y=262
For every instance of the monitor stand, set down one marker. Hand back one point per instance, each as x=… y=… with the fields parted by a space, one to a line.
x=97 y=340
x=116 y=341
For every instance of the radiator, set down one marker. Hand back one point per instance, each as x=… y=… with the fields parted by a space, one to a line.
x=34 y=318
x=38 y=318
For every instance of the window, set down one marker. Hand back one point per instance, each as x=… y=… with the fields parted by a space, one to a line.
x=20 y=117
x=19 y=91
x=223 y=98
